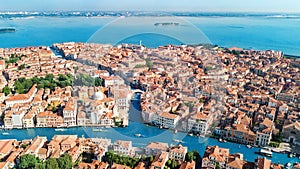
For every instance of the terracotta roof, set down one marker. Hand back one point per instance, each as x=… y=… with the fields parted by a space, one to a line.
x=119 y=166
x=220 y=154
x=122 y=143
x=178 y=149
x=160 y=160
x=157 y=145
x=168 y=115
x=141 y=165
x=235 y=162
x=263 y=163
x=6 y=146
x=200 y=115
x=188 y=165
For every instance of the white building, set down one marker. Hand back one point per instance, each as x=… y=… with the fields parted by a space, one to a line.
x=263 y=138
x=123 y=147
x=199 y=123
x=154 y=148
x=113 y=80
x=165 y=120
x=17 y=117
x=70 y=113
x=178 y=152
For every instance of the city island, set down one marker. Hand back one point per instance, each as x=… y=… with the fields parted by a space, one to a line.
x=249 y=97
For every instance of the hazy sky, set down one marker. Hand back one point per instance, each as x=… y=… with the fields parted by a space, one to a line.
x=154 y=5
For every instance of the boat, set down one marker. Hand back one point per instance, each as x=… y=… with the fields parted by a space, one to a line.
x=292 y=155
x=138 y=135
x=222 y=141
x=248 y=146
x=265 y=152
x=107 y=126
x=191 y=134
x=60 y=129
x=177 y=141
x=7 y=29
x=5 y=133
x=175 y=131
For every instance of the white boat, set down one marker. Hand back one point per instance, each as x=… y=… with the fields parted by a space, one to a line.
x=59 y=129
x=191 y=134
x=138 y=135
x=175 y=131
x=265 y=152
x=5 y=133
x=248 y=146
x=178 y=141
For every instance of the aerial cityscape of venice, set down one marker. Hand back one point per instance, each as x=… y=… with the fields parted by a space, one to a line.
x=153 y=84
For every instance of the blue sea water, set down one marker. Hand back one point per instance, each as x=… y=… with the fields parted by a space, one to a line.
x=246 y=32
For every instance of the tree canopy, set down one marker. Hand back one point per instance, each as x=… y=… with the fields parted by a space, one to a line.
x=23 y=85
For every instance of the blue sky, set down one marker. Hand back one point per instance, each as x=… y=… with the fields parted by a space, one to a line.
x=154 y=5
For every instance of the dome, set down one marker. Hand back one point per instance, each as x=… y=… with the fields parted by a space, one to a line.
x=98 y=96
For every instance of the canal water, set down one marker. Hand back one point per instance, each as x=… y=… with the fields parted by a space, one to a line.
x=149 y=134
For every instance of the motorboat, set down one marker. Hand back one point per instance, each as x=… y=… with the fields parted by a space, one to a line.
x=138 y=135
x=265 y=152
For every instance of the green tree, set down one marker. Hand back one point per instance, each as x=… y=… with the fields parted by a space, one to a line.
x=98 y=82
x=21 y=67
x=217 y=165
x=27 y=84
x=28 y=161
x=51 y=163
x=150 y=159
x=174 y=164
x=6 y=90
x=149 y=63
x=62 y=77
x=49 y=77
x=40 y=166
x=169 y=162
x=19 y=88
x=65 y=161
x=189 y=156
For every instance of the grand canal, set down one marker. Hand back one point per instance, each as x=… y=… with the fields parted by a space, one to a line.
x=149 y=134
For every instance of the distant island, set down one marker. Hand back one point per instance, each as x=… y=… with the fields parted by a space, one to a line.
x=7 y=30
x=166 y=24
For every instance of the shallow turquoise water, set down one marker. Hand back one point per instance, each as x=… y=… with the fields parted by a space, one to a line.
x=247 y=32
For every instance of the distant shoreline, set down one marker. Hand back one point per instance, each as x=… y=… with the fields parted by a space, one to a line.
x=146 y=13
